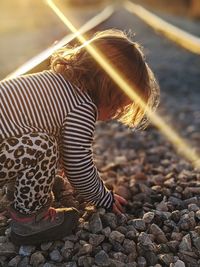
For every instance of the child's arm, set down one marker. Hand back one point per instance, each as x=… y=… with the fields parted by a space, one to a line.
x=77 y=136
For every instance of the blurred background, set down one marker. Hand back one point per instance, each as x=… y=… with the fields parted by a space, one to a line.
x=29 y=26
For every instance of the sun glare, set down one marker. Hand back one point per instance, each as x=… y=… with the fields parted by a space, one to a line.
x=181 y=146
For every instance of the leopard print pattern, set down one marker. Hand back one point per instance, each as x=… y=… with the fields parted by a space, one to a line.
x=31 y=161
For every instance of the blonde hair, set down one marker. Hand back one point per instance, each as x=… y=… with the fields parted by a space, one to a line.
x=79 y=67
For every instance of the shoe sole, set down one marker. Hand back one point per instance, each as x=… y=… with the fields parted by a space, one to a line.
x=52 y=234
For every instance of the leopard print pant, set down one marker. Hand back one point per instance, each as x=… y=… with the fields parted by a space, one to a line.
x=31 y=162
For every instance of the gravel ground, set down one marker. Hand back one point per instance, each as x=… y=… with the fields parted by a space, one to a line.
x=161 y=226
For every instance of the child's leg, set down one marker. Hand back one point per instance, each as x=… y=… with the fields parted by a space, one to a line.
x=30 y=160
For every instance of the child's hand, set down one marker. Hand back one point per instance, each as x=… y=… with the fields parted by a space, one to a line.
x=117 y=206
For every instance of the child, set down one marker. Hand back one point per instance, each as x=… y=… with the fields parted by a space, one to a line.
x=48 y=122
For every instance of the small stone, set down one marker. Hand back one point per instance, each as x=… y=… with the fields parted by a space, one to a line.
x=148 y=217
x=95 y=224
x=14 y=261
x=198 y=214
x=55 y=255
x=158 y=233
x=185 y=244
x=145 y=242
x=151 y=258
x=119 y=256
x=110 y=219
x=95 y=239
x=129 y=246
x=72 y=238
x=85 y=249
x=116 y=263
x=142 y=262
x=116 y=236
x=47 y=264
x=68 y=244
x=70 y=264
x=36 y=259
x=102 y=258
x=139 y=224
x=131 y=234
x=175 y=215
x=106 y=231
x=193 y=207
x=24 y=262
x=26 y=250
x=3 y=239
x=176 y=236
x=187 y=221
x=7 y=249
x=195 y=239
x=178 y=263
x=106 y=246
x=85 y=261
x=166 y=258
x=45 y=246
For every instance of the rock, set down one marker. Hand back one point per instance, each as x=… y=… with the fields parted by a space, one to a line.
x=95 y=224
x=158 y=233
x=7 y=249
x=85 y=261
x=187 y=222
x=142 y=262
x=3 y=239
x=119 y=256
x=102 y=258
x=175 y=215
x=148 y=217
x=198 y=214
x=110 y=219
x=14 y=261
x=55 y=255
x=95 y=239
x=145 y=242
x=72 y=238
x=106 y=231
x=24 y=262
x=185 y=244
x=139 y=224
x=151 y=258
x=129 y=246
x=26 y=250
x=131 y=234
x=106 y=246
x=36 y=259
x=85 y=249
x=195 y=239
x=116 y=263
x=68 y=244
x=178 y=263
x=193 y=207
x=46 y=246
x=166 y=258
x=116 y=237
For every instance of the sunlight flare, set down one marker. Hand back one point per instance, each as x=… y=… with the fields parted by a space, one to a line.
x=181 y=145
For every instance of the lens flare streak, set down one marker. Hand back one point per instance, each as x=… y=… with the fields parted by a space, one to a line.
x=181 y=145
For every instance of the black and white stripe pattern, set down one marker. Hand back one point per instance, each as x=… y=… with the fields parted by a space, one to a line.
x=46 y=102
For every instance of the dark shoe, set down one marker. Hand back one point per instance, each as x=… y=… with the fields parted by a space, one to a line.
x=46 y=225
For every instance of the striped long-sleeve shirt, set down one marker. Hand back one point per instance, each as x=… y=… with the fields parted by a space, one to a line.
x=46 y=102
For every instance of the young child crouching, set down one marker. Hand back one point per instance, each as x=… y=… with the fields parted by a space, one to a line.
x=48 y=118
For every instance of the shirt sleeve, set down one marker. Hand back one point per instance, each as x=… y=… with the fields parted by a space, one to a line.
x=77 y=136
